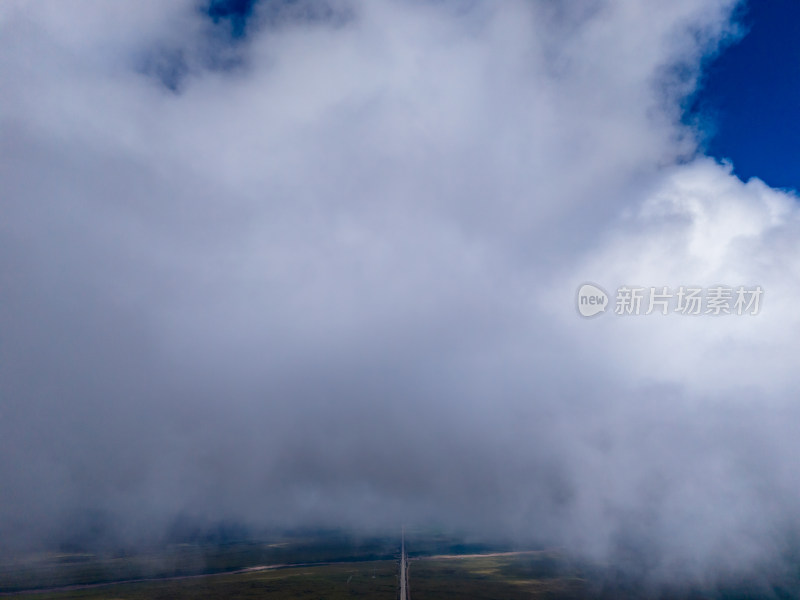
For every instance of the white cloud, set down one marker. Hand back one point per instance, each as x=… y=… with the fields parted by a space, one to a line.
x=702 y=227
x=367 y=238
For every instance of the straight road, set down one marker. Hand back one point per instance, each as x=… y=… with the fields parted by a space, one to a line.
x=403 y=568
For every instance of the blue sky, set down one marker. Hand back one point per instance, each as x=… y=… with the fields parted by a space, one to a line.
x=235 y=11
x=752 y=96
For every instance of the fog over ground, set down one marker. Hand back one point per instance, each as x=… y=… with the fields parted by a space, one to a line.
x=319 y=266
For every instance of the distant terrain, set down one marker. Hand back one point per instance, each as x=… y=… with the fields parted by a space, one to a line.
x=335 y=565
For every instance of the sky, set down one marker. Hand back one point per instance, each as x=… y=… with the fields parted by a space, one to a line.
x=750 y=94
x=317 y=264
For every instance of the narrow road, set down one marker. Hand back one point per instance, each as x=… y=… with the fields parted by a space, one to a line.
x=403 y=568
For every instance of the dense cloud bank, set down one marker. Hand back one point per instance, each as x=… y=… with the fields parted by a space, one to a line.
x=318 y=266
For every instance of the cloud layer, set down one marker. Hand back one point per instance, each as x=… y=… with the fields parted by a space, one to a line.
x=325 y=273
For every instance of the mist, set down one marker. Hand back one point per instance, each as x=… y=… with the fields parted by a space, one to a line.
x=316 y=265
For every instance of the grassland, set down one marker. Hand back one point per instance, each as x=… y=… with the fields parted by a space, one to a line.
x=531 y=575
x=502 y=577
x=367 y=579
x=338 y=566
